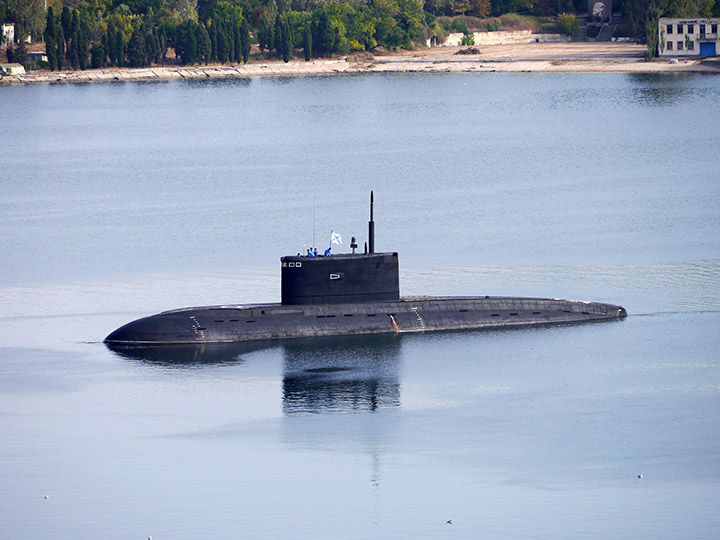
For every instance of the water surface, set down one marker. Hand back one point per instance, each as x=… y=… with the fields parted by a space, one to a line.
x=121 y=200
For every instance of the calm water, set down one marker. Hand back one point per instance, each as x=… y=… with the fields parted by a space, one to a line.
x=121 y=200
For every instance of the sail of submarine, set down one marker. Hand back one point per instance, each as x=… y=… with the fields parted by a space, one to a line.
x=351 y=294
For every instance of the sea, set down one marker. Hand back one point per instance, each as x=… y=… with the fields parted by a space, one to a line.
x=121 y=200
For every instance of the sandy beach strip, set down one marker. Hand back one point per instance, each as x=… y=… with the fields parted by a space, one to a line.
x=534 y=57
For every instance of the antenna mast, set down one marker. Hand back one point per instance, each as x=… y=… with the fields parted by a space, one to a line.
x=371 y=227
x=313 y=215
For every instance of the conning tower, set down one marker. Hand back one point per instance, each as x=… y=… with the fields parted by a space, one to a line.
x=363 y=277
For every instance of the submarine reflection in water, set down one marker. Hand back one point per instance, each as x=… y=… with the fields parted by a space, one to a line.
x=320 y=375
x=190 y=356
x=342 y=375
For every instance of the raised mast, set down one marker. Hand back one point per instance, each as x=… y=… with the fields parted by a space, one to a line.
x=371 y=228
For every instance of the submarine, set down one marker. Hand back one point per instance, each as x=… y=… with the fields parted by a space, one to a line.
x=350 y=294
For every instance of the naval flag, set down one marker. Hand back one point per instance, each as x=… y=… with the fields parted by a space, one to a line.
x=335 y=238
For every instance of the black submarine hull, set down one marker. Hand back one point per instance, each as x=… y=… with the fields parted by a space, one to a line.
x=238 y=323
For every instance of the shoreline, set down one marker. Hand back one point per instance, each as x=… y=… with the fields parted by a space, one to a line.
x=596 y=57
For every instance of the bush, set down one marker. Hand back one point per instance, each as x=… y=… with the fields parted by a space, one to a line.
x=468 y=39
x=509 y=21
x=568 y=22
x=513 y=21
x=550 y=27
x=17 y=54
x=462 y=23
x=459 y=26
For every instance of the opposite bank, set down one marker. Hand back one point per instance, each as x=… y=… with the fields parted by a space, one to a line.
x=389 y=64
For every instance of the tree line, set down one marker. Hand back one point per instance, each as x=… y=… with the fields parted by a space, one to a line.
x=100 y=33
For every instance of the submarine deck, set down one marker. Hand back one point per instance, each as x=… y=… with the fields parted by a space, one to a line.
x=246 y=322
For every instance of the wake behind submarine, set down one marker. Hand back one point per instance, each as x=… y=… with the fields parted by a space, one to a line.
x=350 y=294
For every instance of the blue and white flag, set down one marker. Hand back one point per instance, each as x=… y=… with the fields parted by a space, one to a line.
x=335 y=238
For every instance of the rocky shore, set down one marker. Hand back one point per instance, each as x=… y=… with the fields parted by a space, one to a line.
x=535 y=57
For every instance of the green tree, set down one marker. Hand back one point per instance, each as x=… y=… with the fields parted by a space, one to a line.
x=162 y=43
x=245 y=40
x=29 y=17
x=213 y=41
x=329 y=30
x=480 y=8
x=307 y=43
x=186 y=46
x=227 y=13
x=97 y=55
x=266 y=32
x=119 y=48
x=83 y=42
x=237 y=38
x=223 y=43
x=51 y=35
x=206 y=9
x=360 y=30
x=203 y=43
x=66 y=22
x=283 y=37
x=288 y=40
x=387 y=31
x=460 y=6
x=643 y=16
x=568 y=23
x=109 y=46
x=136 y=53
x=411 y=20
x=60 y=43
x=18 y=54
x=151 y=42
x=73 y=50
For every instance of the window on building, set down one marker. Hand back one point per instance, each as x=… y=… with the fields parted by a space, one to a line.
x=679 y=29
x=691 y=28
x=702 y=28
x=669 y=29
x=669 y=46
x=691 y=46
x=679 y=44
x=713 y=28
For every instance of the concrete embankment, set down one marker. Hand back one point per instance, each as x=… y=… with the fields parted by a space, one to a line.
x=540 y=57
x=277 y=69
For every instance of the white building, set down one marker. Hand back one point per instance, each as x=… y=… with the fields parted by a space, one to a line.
x=12 y=69
x=688 y=37
x=8 y=33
